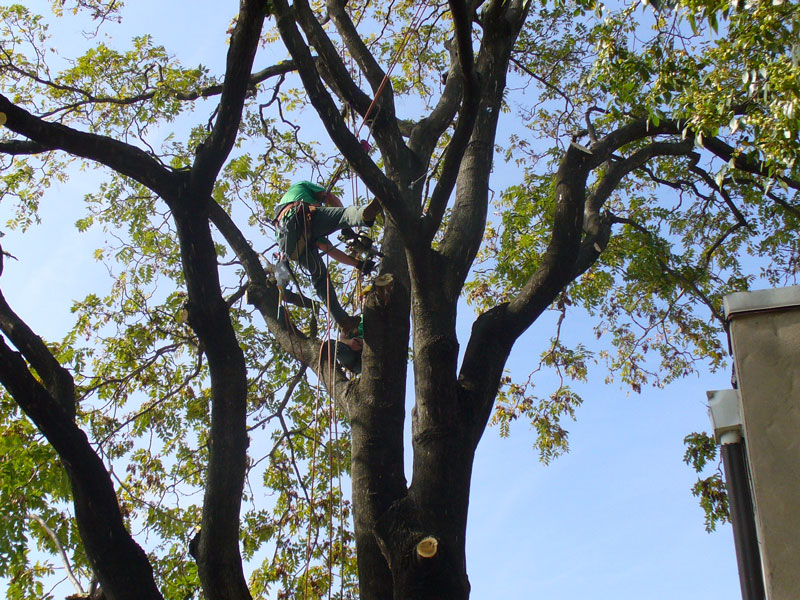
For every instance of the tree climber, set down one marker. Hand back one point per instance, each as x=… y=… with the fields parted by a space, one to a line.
x=302 y=222
x=348 y=347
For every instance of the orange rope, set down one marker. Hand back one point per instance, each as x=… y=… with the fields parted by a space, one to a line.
x=333 y=428
x=416 y=21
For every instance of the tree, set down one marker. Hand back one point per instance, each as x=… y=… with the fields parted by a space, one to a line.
x=704 y=107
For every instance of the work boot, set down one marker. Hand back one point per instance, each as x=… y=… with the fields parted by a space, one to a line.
x=371 y=210
x=350 y=325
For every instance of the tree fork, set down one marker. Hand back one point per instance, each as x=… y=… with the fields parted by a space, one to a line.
x=424 y=537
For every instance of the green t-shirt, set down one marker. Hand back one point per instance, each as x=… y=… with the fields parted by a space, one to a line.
x=304 y=191
x=361 y=328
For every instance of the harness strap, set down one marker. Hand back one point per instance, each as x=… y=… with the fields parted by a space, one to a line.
x=284 y=212
x=300 y=212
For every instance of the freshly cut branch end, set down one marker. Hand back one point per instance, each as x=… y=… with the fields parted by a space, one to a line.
x=384 y=280
x=428 y=547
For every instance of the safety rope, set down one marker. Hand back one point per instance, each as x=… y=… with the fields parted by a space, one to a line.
x=414 y=26
x=331 y=448
x=332 y=354
x=416 y=21
x=332 y=443
x=311 y=500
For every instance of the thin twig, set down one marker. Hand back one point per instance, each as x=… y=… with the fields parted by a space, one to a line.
x=61 y=551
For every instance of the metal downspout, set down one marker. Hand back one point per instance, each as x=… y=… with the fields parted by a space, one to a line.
x=742 y=515
x=725 y=413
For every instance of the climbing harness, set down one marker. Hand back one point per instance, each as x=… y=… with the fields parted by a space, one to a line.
x=295 y=218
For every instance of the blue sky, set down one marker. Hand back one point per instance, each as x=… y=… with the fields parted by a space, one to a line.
x=612 y=519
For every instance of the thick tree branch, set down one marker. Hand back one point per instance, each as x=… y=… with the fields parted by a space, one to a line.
x=462 y=21
x=495 y=331
x=559 y=258
x=276 y=70
x=745 y=163
x=567 y=256
x=366 y=61
x=332 y=67
x=380 y=112
x=639 y=129
x=23 y=147
x=57 y=380
x=598 y=227
x=121 y=565
x=244 y=42
x=451 y=164
x=217 y=551
x=464 y=232
x=620 y=168
x=218 y=557
x=462 y=25
x=424 y=135
x=123 y=158
x=592 y=246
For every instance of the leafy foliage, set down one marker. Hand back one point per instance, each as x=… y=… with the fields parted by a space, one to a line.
x=676 y=217
x=33 y=484
x=143 y=381
x=680 y=223
x=700 y=451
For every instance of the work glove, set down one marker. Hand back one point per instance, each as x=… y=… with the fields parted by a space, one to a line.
x=366 y=266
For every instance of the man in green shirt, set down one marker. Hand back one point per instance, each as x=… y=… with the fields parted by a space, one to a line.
x=305 y=215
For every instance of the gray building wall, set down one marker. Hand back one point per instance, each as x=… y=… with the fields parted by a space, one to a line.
x=765 y=336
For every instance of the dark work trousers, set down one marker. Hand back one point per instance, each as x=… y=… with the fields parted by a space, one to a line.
x=345 y=355
x=297 y=239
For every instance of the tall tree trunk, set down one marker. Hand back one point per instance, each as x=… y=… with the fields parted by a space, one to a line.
x=377 y=414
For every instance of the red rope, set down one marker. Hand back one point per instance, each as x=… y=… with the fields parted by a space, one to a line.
x=413 y=27
x=332 y=356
